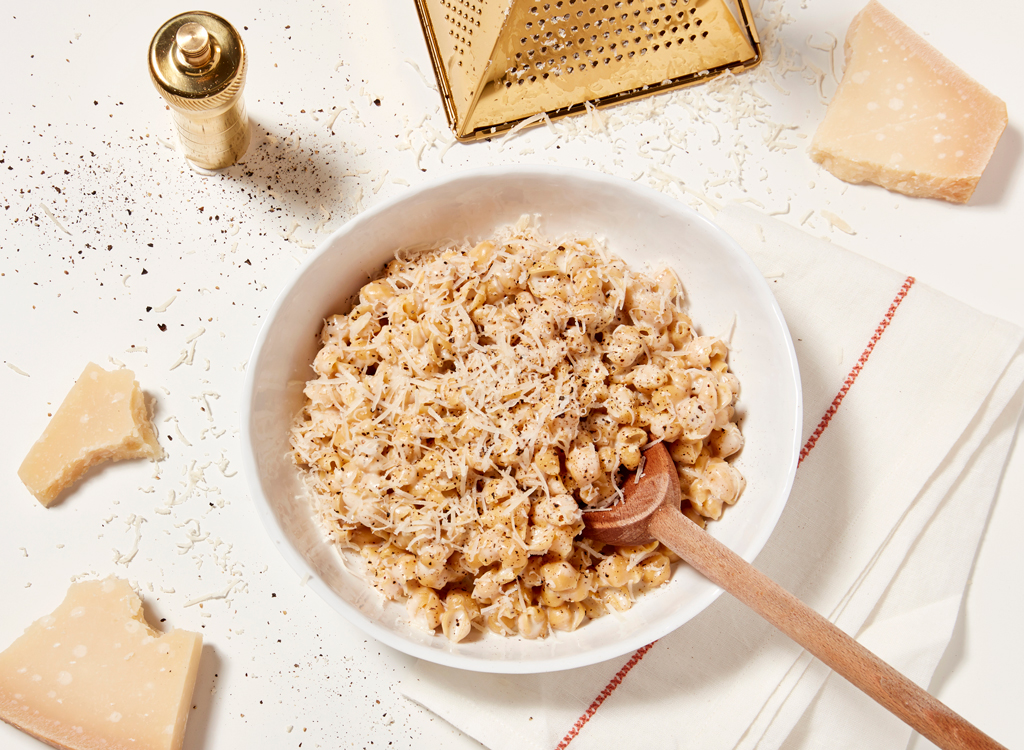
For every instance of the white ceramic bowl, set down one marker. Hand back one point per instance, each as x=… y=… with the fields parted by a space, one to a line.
x=726 y=293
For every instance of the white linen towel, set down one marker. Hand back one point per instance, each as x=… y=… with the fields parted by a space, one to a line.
x=911 y=402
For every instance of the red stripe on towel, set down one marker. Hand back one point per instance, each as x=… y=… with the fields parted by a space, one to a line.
x=848 y=383
x=603 y=695
x=811 y=442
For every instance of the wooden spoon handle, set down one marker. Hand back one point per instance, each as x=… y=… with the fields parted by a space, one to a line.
x=894 y=691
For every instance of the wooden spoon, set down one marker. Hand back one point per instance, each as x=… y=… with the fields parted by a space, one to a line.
x=651 y=511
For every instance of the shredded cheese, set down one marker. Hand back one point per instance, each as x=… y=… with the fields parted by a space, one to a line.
x=477 y=398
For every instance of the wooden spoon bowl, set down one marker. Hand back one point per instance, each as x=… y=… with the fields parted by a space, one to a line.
x=628 y=522
x=650 y=510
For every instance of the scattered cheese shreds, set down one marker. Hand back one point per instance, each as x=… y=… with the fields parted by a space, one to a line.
x=222 y=594
x=165 y=305
x=836 y=221
x=49 y=213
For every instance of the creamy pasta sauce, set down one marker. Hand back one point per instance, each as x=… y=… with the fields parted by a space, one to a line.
x=477 y=399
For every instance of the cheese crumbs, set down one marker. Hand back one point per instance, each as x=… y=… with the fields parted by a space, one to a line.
x=477 y=399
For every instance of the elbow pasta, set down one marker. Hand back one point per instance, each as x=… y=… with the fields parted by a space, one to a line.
x=476 y=400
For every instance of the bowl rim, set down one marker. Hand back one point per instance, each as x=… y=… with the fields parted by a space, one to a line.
x=355 y=617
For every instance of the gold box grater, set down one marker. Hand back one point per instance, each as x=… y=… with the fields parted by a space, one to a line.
x=501 y=62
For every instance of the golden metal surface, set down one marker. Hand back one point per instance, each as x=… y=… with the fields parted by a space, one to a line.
x=194 y=42
x=500 y=62
x=197 y=62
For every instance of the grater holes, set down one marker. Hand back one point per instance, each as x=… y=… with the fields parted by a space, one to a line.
x=461 y=22
x=572 y=36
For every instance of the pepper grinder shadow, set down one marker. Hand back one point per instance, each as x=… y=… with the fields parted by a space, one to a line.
x=197 y=62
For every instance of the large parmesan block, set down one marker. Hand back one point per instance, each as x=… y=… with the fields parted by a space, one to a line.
x=95 y=675
x=906 y=118
x=103 y=418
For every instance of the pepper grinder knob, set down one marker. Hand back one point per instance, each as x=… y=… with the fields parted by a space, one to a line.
x=194 y=42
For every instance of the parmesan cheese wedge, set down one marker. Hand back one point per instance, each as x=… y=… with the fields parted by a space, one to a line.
x=103 y=418
x=906 y=118
x=94 y=675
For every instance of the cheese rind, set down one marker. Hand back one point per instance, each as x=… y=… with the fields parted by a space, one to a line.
x=905 y=117
x=103 y=418
x=94 y=674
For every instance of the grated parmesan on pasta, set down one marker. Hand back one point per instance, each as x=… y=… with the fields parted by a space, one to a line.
x=477 y=399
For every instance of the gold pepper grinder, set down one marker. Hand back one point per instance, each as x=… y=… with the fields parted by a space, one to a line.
x=197 y=62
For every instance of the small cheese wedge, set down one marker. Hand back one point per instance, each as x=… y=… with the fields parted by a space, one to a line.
x=906 y=118
x=103 y=418
x=95 y=675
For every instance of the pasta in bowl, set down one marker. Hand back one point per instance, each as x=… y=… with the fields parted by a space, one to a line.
x=484 y=368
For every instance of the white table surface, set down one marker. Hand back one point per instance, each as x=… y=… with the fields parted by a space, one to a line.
x=83 y=134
